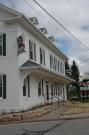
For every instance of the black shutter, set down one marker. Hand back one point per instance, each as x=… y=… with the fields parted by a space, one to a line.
x=40 y=56
x=4 y=44
x=34 y=51
x=44 y=56
x=28 y=86
x=4 y=86
x=24 y=90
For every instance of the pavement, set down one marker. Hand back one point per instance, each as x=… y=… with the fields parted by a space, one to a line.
x=45 y=113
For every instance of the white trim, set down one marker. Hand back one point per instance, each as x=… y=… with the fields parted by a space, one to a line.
x=26 y=22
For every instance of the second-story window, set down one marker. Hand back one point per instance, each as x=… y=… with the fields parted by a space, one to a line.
x=58 y=68
x=2 y=44
x=51 y=62
x=32 y=50
x=61 y=67
x=42 y=56
x=55 y=64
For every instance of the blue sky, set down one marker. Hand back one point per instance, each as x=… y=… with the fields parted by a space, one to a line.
x=74 y=15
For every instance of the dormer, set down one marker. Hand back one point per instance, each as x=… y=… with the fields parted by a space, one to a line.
x=51 y=39
x=43 y=30
x=34 y=20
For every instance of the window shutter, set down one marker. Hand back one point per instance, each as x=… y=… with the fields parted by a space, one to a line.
x=34 y=51
x=44 y=56
x=4 y=86
x=28 y=87
x=40 y=56
x=4 y=44
x=24 y=90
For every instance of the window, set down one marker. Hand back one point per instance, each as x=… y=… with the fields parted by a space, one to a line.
x=32 y=50
x=26 y=87
x=58 y=67
x=41 y=88
x=55 y=64
x=3 y=86
x=61 y=67
x=51 y=62
x=3 y=44
x=42 y=56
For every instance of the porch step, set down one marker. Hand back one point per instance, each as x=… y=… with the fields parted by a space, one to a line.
x=40 y=111
x=31 y=114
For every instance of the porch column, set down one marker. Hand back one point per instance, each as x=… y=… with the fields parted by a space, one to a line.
x=65 y=92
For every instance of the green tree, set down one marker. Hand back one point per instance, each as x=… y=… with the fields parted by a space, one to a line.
x=67 y=69
x=75 y=71
x=75 y=75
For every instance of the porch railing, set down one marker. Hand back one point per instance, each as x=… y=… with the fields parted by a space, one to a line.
x=53 y=98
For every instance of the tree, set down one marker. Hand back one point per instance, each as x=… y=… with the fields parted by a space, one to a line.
x=67 y=69
x=75 y=71
x=75 y=75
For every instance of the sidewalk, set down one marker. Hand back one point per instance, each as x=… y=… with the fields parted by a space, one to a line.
x=46 y=113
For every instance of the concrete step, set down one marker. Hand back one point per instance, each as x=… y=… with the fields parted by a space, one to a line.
x=40 y=112
x=29 y=115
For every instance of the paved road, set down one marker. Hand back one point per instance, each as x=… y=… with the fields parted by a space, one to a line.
x=65 y=127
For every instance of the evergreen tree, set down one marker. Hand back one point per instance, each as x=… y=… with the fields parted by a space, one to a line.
x=75 y=71
x=75 y=76
x=67 y=69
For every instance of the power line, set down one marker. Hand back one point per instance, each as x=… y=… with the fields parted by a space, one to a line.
x=60 y=24
x=58 y=29
x=53 y=25
x=48 y=21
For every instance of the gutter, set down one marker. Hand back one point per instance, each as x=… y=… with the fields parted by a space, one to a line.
x=9 y=20
x=17 y=18
x=66 y=58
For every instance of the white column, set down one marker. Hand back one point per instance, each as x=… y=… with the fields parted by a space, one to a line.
x=65 y=92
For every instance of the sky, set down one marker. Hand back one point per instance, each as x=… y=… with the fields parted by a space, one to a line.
x=73 y=14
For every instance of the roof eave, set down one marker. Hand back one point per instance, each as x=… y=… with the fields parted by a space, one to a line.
x=44 y=38
x=10 y=10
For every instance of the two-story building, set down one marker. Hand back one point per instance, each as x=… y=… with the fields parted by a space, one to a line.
x=32 y=69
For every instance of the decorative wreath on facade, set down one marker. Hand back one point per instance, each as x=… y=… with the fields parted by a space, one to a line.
x=20 y=42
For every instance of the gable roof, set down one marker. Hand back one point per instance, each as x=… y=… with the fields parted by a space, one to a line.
x=21 y=18
x=29 y=63
x=8 y=9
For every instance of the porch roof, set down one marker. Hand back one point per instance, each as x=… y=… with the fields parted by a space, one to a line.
x=29 y=64
x=32 y=66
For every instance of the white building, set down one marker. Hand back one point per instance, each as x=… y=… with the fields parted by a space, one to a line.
x=29 y=75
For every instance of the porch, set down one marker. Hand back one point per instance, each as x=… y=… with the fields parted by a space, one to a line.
x=41 y=86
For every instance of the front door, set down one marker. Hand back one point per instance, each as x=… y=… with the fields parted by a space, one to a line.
x=47 y=91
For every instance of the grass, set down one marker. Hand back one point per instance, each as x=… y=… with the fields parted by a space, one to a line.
x=76 y=107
